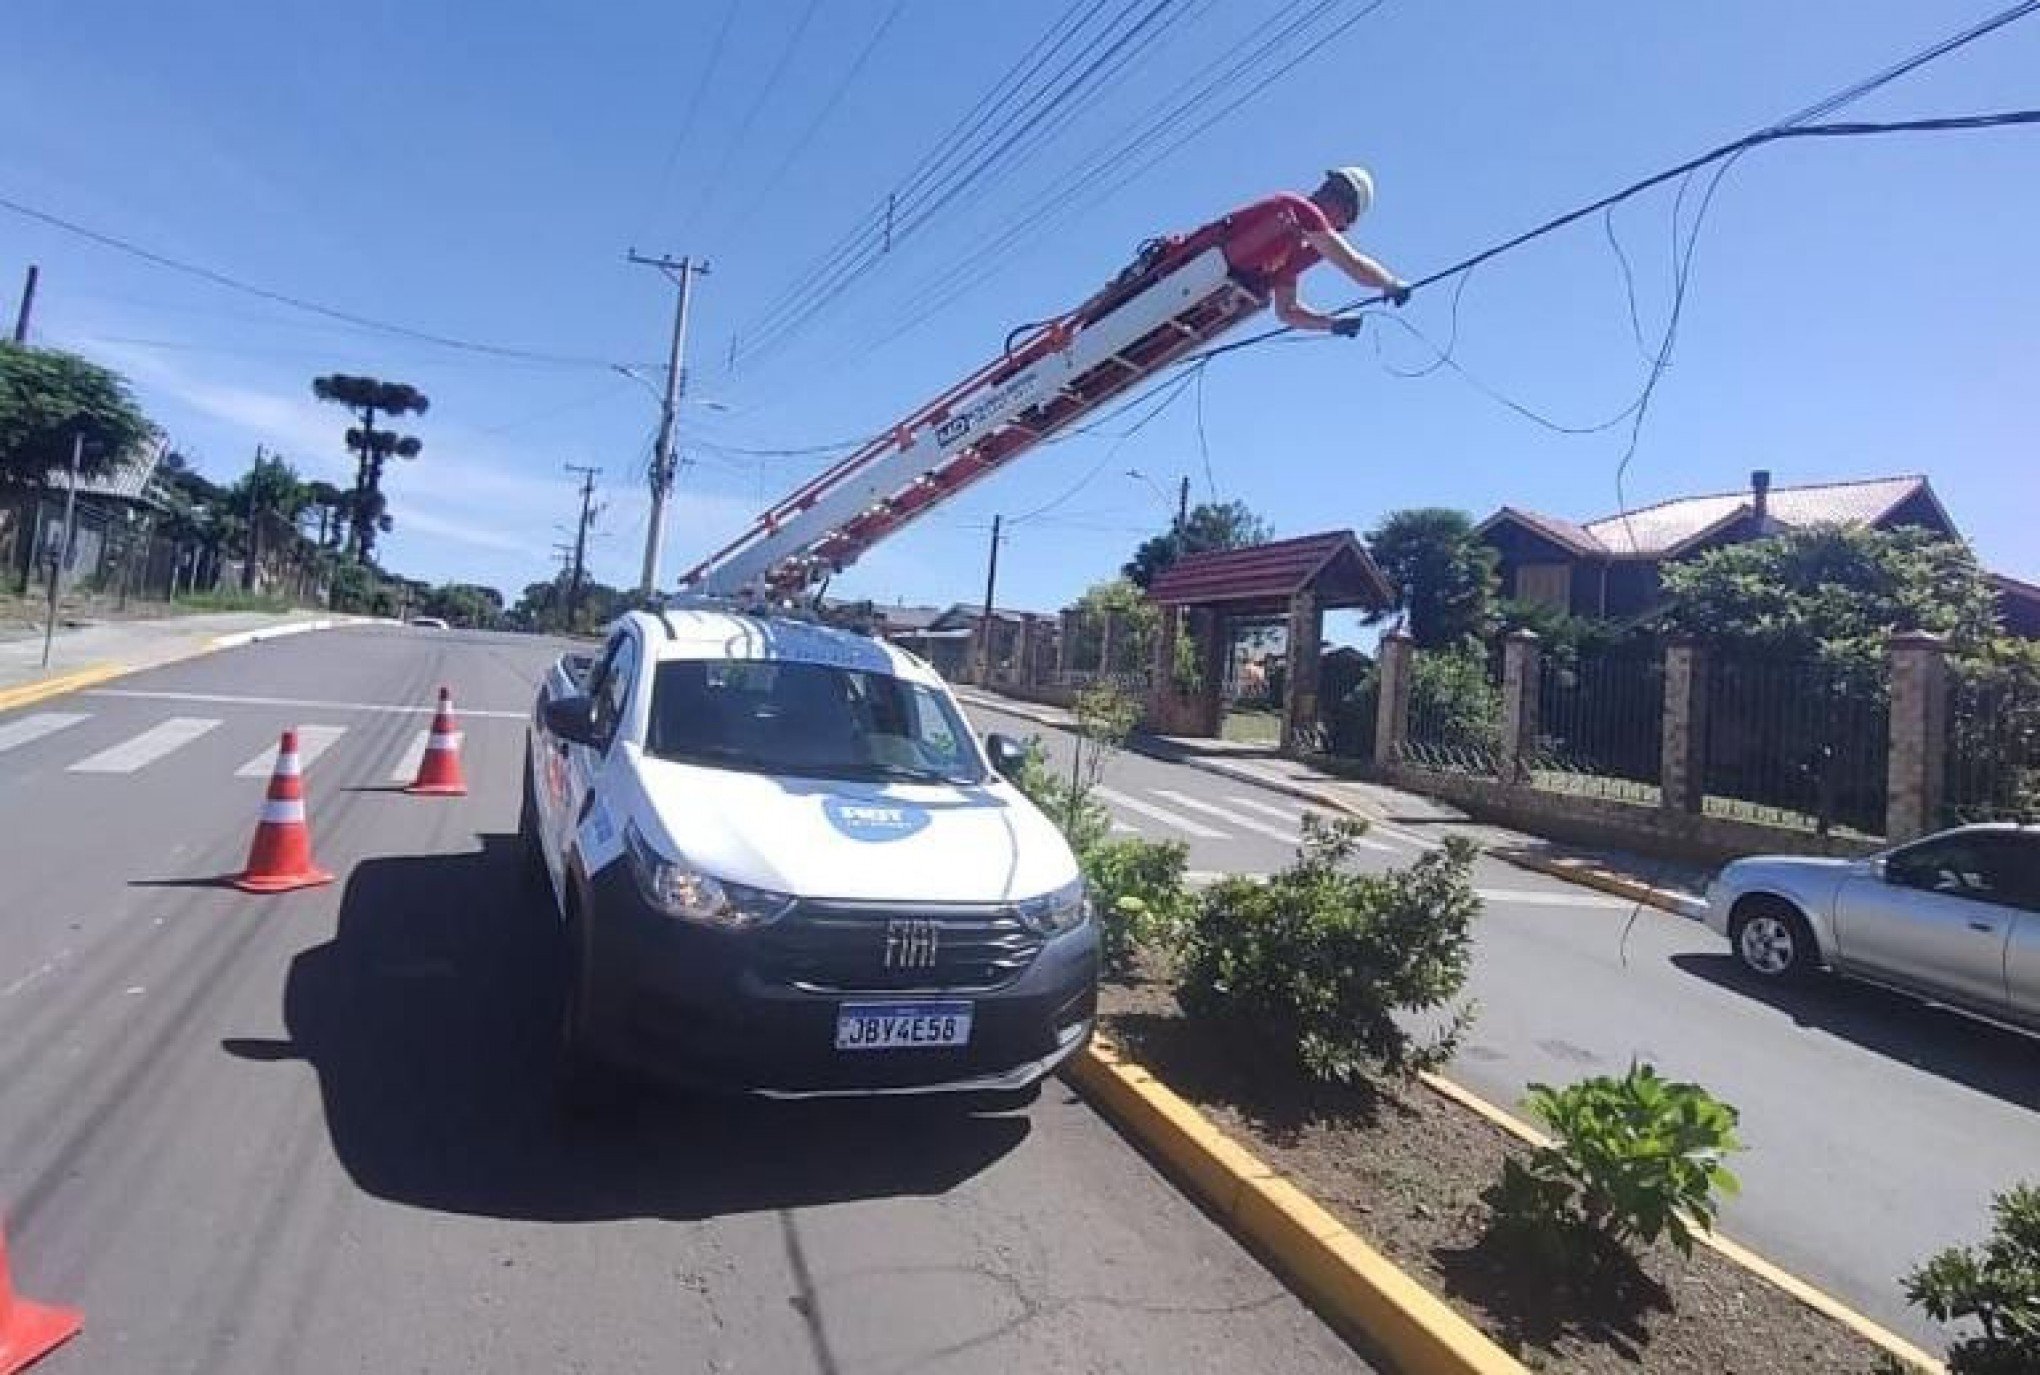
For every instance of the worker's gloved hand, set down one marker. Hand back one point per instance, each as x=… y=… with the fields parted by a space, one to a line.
x=1398 y=293
x=1349 y=326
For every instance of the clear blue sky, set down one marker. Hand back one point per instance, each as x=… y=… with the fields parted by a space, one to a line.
x=1857 y=309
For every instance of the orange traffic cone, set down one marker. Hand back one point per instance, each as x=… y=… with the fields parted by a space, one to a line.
x=29 y=1331
x=439 y=772
x=281 y=857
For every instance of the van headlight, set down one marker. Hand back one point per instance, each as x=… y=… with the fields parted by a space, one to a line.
x=1051 y=914
x=678 y=889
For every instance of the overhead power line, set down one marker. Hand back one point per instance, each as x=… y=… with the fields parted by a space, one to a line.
x=706 y=193
x=686 y=126
x=283 y=298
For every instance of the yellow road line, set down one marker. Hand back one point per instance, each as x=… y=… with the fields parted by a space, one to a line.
x=27 y=694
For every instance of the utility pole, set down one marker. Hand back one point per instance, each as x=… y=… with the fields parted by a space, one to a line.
x=681 y=273
x=991 y=590
x=581 y=538
x=1182 y=507
x=21 y=318
x=62 y=554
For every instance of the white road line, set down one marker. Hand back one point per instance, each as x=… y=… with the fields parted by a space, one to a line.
x=148 y=747
x=1124 y=828
x=312 y=741
x=1530 y=897
x=35 y=727
x=1288 y=814
x=1287 y=837
x=1161 y=814
x=228 y=699
x=406 y=770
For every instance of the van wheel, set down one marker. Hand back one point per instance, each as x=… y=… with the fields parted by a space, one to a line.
x=527 y=826
x=1773 y=941
x=585 y=1085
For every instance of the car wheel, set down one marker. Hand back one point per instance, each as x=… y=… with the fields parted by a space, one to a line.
x=1774 y=942
x=585 y=1085
x=527 y=825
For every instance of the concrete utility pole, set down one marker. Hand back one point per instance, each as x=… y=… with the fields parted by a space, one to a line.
x=1182 y=506
x=991 y=590
x=27 y=310
x=681 y=273
x=254 y=479
x=581 y=538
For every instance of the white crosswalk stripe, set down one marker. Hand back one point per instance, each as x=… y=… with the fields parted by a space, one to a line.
x=1288 y=836
x=414 y=754
x=1288 y=814
x=30 y=728
x=1162 y=814
x=146 y=748
x=313 y=741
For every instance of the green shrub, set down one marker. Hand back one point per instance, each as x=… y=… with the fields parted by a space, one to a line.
x=1998 y=1286
x=1322 y=960
x=1634 y=1158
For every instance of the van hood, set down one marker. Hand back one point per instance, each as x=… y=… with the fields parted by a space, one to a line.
x=864 y=841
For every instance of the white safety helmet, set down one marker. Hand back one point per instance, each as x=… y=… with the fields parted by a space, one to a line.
x=1357 y=180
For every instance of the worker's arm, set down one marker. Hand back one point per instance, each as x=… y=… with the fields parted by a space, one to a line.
x=1349 y=260
x=1295 y=313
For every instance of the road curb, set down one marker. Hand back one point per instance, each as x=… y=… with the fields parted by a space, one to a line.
x=1819 y=1300
x=27 y=694
x=1588 y=875
x=1316 y=1254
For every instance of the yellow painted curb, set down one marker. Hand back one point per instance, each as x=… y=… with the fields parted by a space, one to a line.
x=1342 y=1275
x=1588 y=877
x=1819 y=1300
x=29 y=693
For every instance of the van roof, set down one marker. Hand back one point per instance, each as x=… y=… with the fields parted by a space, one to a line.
x=700 y=633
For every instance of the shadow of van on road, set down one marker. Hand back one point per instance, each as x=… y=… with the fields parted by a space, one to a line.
x=1980 y=1055
x=429 y=1020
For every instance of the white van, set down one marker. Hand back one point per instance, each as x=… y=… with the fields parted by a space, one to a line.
x=785 y=866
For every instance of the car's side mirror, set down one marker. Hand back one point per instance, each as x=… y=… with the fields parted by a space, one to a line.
x=1009 y=756
x=1878 y=868
x=571 y=719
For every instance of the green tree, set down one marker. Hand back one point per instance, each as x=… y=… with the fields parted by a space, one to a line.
x=368 y=397
x=48 y=397
x=463 y=604
x=324 y=502
x=1210 y=526
x=1831 y=593
x=1443 y=574
x=267 y=499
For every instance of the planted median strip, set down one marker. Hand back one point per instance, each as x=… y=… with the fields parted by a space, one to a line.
x=1266 y=1039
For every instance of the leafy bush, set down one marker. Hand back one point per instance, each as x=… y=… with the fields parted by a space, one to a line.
x=1322 y=960
x=1635 y=1158
x=1455 y=708
x=1998 y=1286
x=1137 y=887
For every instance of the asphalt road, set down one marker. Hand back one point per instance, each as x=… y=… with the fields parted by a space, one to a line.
x=313 y=1133
x=1877 y=1127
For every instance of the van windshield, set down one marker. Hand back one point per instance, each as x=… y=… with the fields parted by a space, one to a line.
x=808 y=720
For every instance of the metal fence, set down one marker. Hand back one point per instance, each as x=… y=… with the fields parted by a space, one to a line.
x=1350 y=722
x=1798 y=744
x=1600 y=726
x=1455 y=723
x=1993 y=759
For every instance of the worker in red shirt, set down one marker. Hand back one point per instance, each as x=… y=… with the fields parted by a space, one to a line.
x=1270 y=243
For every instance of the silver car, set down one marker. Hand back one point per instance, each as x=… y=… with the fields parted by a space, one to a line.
x=1954 y=917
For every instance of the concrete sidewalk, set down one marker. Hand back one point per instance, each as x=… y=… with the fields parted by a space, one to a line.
x=141 y=643
x=1668 y=884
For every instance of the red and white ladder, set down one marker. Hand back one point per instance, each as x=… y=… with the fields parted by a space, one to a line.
x=1175 y=301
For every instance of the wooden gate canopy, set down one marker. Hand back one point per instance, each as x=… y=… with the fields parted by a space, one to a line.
x=1264 y=579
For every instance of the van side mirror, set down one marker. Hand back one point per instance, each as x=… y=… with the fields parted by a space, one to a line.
x=571 y=719
x=1009 y=756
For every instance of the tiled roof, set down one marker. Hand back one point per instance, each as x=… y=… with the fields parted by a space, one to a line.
x=1271 y=572
x=1669 y=526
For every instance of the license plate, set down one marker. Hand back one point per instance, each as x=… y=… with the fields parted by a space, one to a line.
x=901 y=1026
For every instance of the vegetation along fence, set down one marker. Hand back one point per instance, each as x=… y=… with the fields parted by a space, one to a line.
x=1600 y=725
x=1802 y=744
x=1455 y=721
x=1993 y=759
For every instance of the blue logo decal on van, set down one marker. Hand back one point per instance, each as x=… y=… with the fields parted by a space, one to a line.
x=874 y=821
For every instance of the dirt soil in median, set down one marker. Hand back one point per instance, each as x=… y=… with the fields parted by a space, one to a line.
x=1405 y=1169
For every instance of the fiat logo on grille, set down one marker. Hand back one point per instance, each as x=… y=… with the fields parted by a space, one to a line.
x=911 y=943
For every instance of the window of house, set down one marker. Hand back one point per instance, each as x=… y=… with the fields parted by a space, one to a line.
x=1545 y=584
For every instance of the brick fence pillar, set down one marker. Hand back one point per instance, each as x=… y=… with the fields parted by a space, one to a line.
x=1392 y=712
x=1108 y=641
x=1305 y=647
x=1066 y=641
x=1521 y=656
x=1682 y=774
x=1919 y=735
x=1024 y=658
